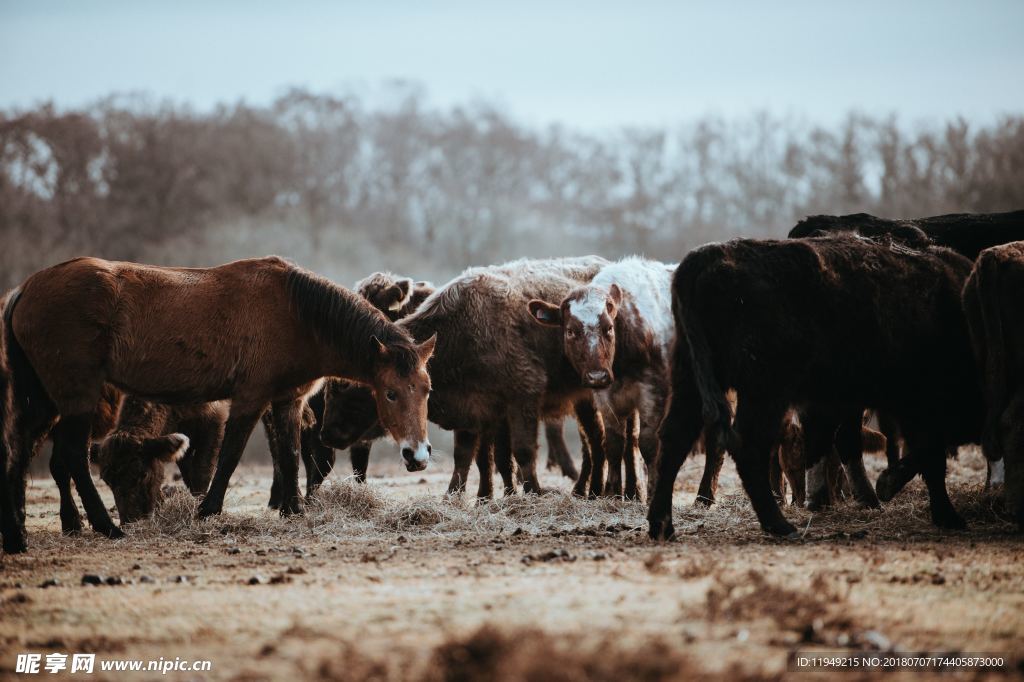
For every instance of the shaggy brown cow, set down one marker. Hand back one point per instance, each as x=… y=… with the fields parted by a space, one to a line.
x=967 y=234
x=835 y=322
x=617 y=332
x=993 y=300
x=131 y=460
x=494 y=368
x=256 y=332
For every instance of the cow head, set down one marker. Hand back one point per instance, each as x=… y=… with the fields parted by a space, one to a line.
x=401 y=388
x=587 y=320
x=133 y=467
x=386 y=292
x=349 y=413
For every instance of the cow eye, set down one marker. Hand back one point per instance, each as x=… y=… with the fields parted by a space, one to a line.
x=609 y=331
x=570 y=333
x=391 y=395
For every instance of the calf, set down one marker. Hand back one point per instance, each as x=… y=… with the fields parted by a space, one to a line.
x=494 y=369
x=992 y=301
x=131 y=460
x=837 y=322
x=616 y=332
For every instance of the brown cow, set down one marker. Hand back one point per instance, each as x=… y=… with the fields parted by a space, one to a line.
x=494 y=368
x=131 y=460
x=257 y=332
x=993 y=299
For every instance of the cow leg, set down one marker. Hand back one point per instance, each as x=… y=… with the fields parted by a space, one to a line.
x=33 y=420
x=275 y=485
x=319 y=459
x=708 y=487
x=795 y=470
x=558 y=451
x=850 y=447
x=287 y=416
x=592 y=426
x=677 y=435
x=930 y=459
x=1011 y=434
x=485 y=465
x=614 y=445
x=70 y=519
x=630 y=447
x=71 y=446
x=205 y=437
x=775 y=481
x=647 y=434
x=239 y=427
x=359 y=456
x=586 y=466
x=890 y=428
x=758 y=425
x=819 y=428
x=503 y=458
x=465 y=449
x=523 y=427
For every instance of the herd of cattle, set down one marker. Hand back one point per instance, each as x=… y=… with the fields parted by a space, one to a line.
x=776 y=351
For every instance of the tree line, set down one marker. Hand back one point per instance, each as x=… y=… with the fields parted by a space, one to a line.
x=345 y=186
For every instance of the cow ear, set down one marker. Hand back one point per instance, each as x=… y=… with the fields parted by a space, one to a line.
x=426 y=349
x=547 y=314
x=379 y=349
x=615 y=294
x=397 y=293
x=166 y=448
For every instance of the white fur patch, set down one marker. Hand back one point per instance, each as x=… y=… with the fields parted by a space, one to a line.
x=647 y=286
x=182 y=447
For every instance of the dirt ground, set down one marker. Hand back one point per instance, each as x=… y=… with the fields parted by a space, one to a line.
x=388 y=581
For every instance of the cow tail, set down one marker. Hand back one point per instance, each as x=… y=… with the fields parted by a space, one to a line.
x=718 y=429
x=994 y=369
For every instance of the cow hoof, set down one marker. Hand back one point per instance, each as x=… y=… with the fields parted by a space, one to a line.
x=113 y=532
x=71 y=529
x=207 y=510
x=295 y=508
x=703 y=502
x=662 y=531
x=949 y=520
x=782 y=529
x=15 y=544
x=886 y=486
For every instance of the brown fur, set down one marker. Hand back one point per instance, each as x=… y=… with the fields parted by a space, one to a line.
x=494 y=368
x=132 y=459
x=992 y=300
x=257 y=332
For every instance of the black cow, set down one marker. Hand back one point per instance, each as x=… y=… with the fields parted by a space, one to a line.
x=965 y=233
x=993 y=300
x=839 y=322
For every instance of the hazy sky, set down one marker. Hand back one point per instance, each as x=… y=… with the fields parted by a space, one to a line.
x=591 y=64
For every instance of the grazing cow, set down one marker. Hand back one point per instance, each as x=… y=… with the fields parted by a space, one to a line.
x=617 y=332
x=994 y=304
x=496 y=374
x=835 y=322
x=967 y=234
x=131 y=460
x=257 y=332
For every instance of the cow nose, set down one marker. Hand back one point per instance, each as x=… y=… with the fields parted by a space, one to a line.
x=408 y=454
x=598 y=378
